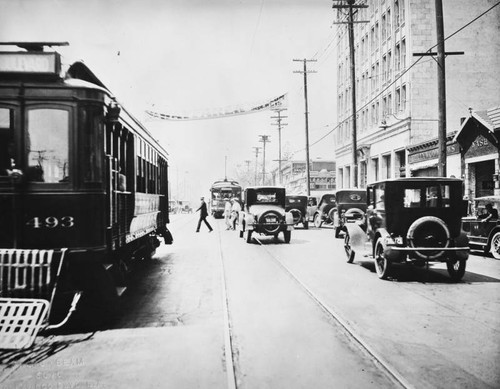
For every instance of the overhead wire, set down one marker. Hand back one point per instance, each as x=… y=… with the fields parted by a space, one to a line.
x=399 y=77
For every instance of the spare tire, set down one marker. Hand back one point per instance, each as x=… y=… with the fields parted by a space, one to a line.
x=270 y=221
x=354 y=213
x=428 y=231
x=297 y=215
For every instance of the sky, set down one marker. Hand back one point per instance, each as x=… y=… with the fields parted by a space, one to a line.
x=174 y=56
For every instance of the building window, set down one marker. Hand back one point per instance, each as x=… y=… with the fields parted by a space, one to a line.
x=375 y=169
x=398 y=100
x=389 y=24
x=384 y=69
x=396 y=13
x=389 y=66
x=389 y=103
x=384 y=27
x=403 y=54
x=403 y=98
x=397 y=53
x=387 y=166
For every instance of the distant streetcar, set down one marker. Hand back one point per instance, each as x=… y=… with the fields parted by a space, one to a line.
x=219 y=192
x=83 y=188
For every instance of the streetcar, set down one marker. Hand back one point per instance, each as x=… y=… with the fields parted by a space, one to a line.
x=220 y=191
x=83 y=191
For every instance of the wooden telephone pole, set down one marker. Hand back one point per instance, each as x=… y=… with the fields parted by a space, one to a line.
x=264 y=139
x=441 y=76
x=278 y=123
x=305 y=71
x=350 y=6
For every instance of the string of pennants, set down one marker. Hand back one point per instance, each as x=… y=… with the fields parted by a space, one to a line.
x=275 y=103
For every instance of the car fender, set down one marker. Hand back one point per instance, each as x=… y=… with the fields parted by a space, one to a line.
x=249 y=221
x=358 y=239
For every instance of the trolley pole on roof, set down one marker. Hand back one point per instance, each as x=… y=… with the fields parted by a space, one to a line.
x=264 y=139
x=305 y=71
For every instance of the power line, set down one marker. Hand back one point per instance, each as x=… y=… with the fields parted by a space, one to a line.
x=400 y=76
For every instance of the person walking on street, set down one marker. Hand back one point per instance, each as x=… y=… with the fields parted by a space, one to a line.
x=227 y=214
x=235 y=212
x=203 y=215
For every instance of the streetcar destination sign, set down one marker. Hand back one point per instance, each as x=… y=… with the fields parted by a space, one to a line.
x=35 y=63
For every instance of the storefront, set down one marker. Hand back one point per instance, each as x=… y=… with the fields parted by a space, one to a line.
x=479 y=138
x=423 y=158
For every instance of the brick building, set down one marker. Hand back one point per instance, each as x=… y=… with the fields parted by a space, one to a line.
x=396 y=92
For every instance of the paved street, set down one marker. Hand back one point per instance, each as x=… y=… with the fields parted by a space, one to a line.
x=299 y=317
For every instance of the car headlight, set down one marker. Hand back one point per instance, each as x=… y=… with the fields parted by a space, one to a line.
x=398 y=240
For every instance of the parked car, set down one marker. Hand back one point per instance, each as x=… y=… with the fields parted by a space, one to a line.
x=297 y=206
x=350 y=208
x=483 y=235
x=324 y=212
x=264 y=213
x=414 y=221
x=312 y=206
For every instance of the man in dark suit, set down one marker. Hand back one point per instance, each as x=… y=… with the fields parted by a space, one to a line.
x=203 y=215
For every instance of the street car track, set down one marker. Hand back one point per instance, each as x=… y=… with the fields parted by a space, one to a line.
x=378 y=360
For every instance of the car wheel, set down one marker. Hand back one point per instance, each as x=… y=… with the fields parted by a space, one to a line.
x=348 y=249
x=248 y=236
x=382 y=265
x=317 y=221
x=456 y=269
x=288 y=235
x=495 y=246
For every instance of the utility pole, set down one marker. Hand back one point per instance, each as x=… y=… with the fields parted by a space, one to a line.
x=441 y=76
x=354 y=134
x=305 y=71
x=278 y=123
x=264 y=139
x=256 y=150
x=441 y=89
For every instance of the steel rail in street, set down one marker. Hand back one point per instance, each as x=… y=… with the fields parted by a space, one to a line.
x=378 y=360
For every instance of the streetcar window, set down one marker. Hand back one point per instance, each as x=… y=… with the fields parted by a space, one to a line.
x=47 y=145
x=6 y=141
x=91 y=144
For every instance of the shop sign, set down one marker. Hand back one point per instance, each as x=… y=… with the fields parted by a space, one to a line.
x=427 y=155
x=481 y=146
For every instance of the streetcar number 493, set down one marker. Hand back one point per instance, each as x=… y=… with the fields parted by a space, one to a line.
x=51 y=222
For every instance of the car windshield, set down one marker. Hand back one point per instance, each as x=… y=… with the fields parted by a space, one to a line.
x=351 y=197
x=295 y=201
x=432 y=196
x=329 y=199
x=266 y=197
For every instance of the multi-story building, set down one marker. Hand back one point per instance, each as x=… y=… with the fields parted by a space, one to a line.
x=396 y=92
x=294 y=176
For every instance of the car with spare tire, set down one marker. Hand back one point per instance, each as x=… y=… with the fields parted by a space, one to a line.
x=297 y=206
x=324 y=211
x=264 y=213
x=413 y=220
x=350 y=208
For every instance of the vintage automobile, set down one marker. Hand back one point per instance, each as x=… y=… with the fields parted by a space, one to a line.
x=264 y=213
x=324 y=212
x=350 y=208
x=483 y=235
x=297 y=206
x=312 y=206
x=414 y=221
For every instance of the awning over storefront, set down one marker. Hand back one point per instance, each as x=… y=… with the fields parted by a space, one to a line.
x=480 y=123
